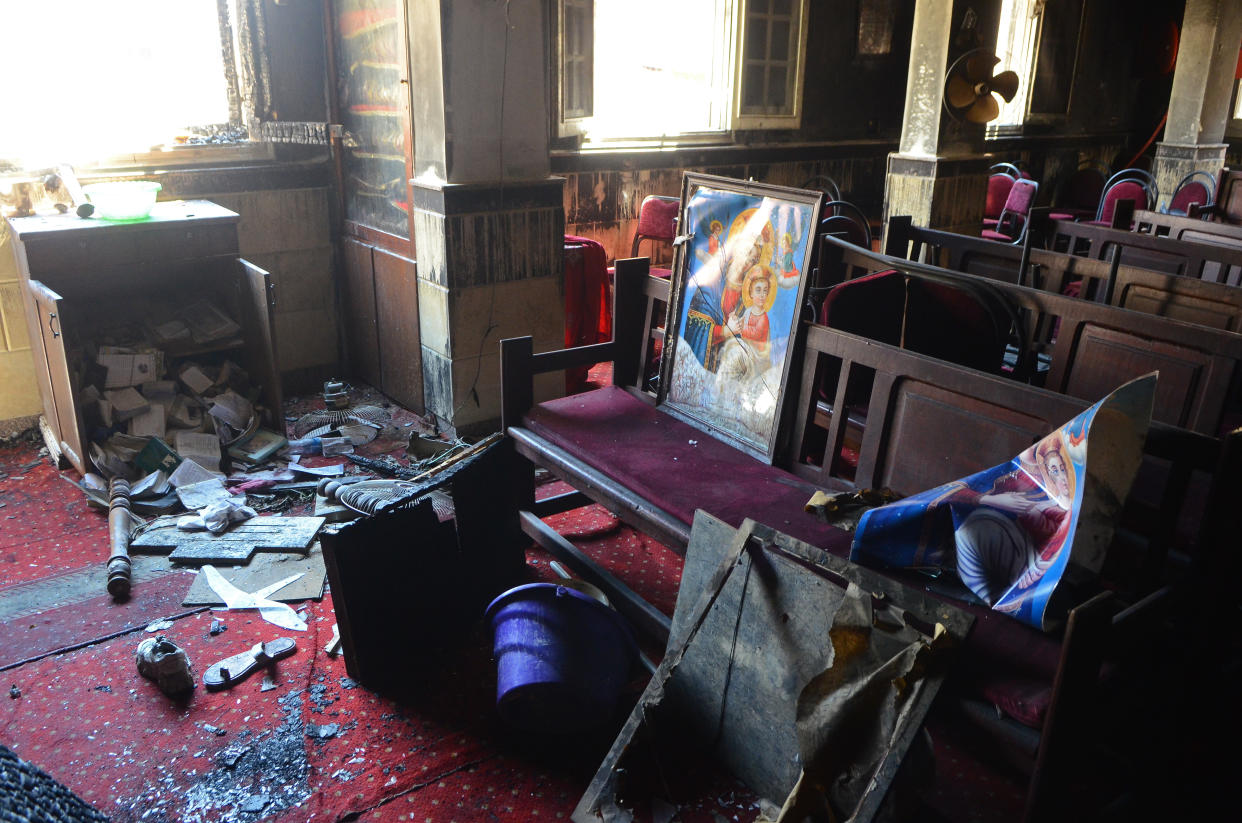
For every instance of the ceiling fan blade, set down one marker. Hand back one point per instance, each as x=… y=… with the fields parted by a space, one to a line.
x=985 y=110
x=1006 y=84
x=960 y=92
x=979 y=67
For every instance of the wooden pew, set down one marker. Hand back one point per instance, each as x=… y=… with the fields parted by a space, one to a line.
x=1212 y=262
x=928 y=422
x=1089 y=348
x=1203 y=303
x=1181 y=227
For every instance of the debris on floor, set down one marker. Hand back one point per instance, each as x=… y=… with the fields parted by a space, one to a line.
x=166 y=663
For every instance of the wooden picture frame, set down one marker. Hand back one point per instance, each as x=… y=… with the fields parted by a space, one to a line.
x=739 y=279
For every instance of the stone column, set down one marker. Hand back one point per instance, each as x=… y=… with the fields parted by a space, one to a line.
x=1207 y=55
x=488 y=219
x=938 y=176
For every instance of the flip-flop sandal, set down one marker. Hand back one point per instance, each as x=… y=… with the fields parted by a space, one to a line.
x=233 y=670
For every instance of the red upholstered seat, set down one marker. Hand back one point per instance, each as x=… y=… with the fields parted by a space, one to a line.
x=1011 y=225
x=1190 y=194
x=1079 y=198
x=657 y=218
x=1125 y=190
x=679 y=467
x=870 y=306
x=657 y=223
x=998 y=189
x=588 y=305
x=952 y=324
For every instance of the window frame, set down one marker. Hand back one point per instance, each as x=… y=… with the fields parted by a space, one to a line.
x=796 y=62
x=1036 y=10
x=736 y=53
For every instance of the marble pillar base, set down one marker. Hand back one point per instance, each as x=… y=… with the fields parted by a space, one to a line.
x=946 y=193
x=1174 y=161
x=490 y=266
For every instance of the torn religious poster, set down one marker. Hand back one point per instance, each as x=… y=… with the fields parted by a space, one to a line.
x=1020 y=533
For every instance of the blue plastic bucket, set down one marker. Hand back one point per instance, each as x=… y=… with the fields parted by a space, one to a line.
x=562 y=657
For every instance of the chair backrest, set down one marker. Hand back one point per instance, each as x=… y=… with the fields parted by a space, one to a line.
x=1013 y=219
x=1127 y=184
x=1006 y=168
x=1083 y=189
x=1197 y=187
x=657 y=220
x=847 y=221
x=824 y=183
x=999 y=185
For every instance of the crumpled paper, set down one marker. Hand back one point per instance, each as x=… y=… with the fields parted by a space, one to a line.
x=217 y=517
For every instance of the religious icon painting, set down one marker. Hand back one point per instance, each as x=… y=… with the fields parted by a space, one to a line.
x=738 y=285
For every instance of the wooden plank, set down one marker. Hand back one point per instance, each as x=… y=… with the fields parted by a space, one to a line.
x=396 y=317
x=259 y=322
x=362 y=344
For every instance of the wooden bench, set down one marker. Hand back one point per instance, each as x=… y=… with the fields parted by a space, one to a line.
x=1180 y=227
x=1090 y=348
x=1212 y=262
x=927 y=422
x=1188 y=299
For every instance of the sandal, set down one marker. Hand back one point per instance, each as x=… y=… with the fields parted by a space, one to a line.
x=233 y=670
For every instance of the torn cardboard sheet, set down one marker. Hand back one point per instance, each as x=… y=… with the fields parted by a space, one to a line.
x=278 y=614
x=263 y=571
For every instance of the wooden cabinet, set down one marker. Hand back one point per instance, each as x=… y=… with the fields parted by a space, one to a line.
x=80 y=278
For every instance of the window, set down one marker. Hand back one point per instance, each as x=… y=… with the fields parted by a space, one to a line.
x=1038 y=40
x=96 y=80
x=654 y=70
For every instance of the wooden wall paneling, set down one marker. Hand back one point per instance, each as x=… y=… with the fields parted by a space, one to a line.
x=396 y=315
x=358 y=308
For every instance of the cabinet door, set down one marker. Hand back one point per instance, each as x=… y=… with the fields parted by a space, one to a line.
x=396 y=314
x=50 y=322
x=257 y=303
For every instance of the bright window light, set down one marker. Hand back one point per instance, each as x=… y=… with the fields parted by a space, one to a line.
x=661 y=68
x=92 y=79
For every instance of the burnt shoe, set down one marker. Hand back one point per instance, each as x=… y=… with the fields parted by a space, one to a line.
x=166 y=663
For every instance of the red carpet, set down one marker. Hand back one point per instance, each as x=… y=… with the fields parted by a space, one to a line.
x=317 y=746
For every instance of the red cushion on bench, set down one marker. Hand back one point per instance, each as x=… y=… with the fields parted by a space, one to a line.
x=678 y=467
